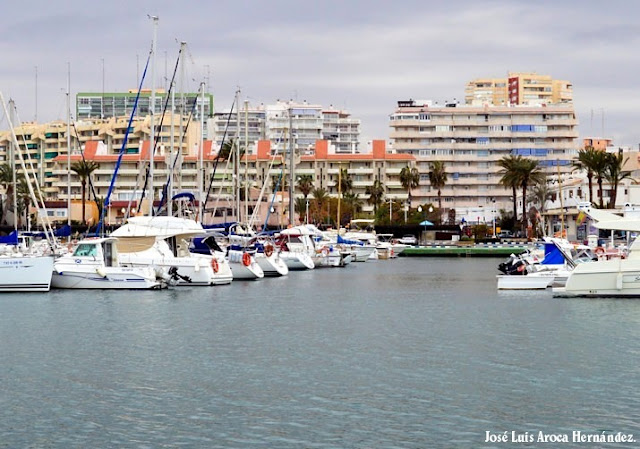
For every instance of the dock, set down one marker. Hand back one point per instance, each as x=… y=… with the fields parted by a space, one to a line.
x=477 y=250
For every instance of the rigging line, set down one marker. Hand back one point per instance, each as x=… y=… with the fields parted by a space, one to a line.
x=50 y=238
x=153 y=145
x=45 y=221
x=181 y=142
x=91 y=187
x=175 y=159
x=226 y=170
x=105 y=205
x=254 y=215
x=215 y=165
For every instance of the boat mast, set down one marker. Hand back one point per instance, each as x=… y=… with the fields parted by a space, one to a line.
x=183 y=45
x=151 y=112
x=201 y=161
x=68 y=144
x=237 y=160
x=14 y=149
x=291 y=167
x=246 y=162
x=171 y=151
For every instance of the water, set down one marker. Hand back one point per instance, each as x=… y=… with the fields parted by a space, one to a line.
x=409 y=353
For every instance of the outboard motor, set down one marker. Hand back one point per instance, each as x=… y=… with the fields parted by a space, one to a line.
x=513 y=266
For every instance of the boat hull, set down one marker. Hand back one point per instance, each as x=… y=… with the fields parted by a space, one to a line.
x=272 y=266
x=25 y=273
x=122 y=278
x=614 y=278
x=527 y=282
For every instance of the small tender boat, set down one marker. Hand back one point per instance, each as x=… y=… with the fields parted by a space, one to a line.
x=94 y=264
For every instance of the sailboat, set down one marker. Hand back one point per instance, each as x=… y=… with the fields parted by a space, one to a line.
x=26 y=269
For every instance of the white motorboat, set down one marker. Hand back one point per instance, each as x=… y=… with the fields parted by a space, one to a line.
x=617 y=277
x=163 y=242
x=94 y=264
x=528 y=272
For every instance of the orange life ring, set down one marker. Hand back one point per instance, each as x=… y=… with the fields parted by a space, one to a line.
x=268 y=250
x=325 y=251
x=246 y=259
x=215 y=265
x=599 y=250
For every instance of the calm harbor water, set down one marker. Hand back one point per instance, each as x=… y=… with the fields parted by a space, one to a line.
x=409 y=353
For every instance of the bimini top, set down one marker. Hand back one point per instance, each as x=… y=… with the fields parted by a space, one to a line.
x=161 y=226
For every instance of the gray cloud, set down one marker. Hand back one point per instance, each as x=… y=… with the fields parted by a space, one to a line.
x=362 y=56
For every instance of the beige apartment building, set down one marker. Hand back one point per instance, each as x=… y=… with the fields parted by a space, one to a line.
x=471 y=140
x=518 y=89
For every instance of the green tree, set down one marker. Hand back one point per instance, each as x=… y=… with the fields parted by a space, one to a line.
x=410 y=179
x=376 y=195
x=588 y=160
x=279 y=183
x=438 y=179
x=305 y=185
x=228 y=148
x=83 y=169
x=614 y=174
x=300 y=206
x=23 y=197
x=346 y=183
x=530 y=174
x=6 y=181
x=353 y=205
x=541 y=193
x=511 y=178
x=320 y=198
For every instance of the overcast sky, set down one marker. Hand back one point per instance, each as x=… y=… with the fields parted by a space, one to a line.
x=357 y=55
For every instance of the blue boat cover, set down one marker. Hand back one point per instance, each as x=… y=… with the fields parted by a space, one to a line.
x=349 y=242
x=552 y=255
x=11 y=239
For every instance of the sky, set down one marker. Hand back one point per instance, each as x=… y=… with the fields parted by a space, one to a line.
x=360 y=56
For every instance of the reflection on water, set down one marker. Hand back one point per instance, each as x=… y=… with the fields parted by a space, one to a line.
x=409 y=353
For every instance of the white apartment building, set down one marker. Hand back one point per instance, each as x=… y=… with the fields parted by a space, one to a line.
x=470 y=140
x=303 y=123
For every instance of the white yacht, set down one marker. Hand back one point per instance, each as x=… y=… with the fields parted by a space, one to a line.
x=296 y=248
x=94 y=264
x=163 y=242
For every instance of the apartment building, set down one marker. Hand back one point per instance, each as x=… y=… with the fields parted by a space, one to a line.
x=96 y=105
x=518 y=89
x=303 y=123
x=471 y=140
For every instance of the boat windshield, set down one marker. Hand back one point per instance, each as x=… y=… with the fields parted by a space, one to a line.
x=86 y=249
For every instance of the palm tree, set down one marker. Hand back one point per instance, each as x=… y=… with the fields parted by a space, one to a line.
x=588 y=160
x=600 y=163
x=376 y=194
x=227 y=148
x=614 y=175
x=300 y=206
x=320 y=197
x=353 y=204
x=410 y=179
x=346 y=183
x=511 y=177
x=530 y=174
x=84 y=169
x=438 y=179
x=6 y=181
x=23 y=197
x=305 y=185
x=279 y=183
x=541 y=193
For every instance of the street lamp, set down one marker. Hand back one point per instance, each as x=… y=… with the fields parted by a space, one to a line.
x=493 y=211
